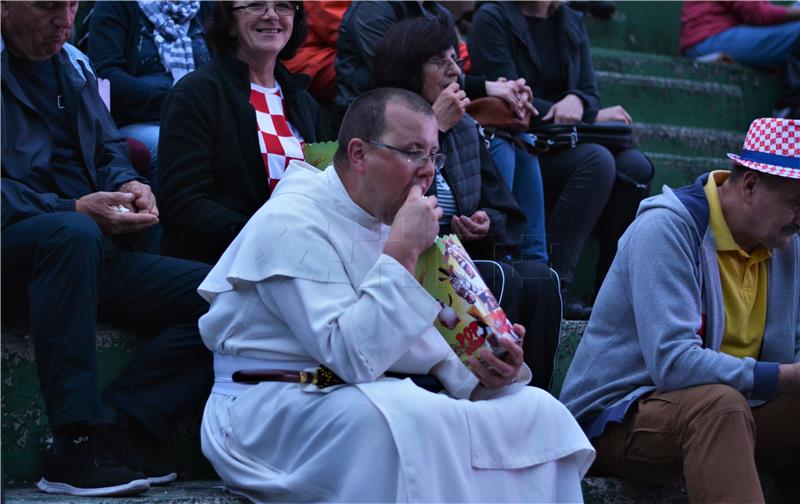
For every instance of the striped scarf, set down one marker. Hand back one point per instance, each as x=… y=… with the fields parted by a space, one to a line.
x=171 y=20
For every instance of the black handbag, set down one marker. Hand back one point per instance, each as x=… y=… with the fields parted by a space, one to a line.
x=616 y=136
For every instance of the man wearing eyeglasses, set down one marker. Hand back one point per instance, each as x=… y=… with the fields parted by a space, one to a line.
x=323 y=274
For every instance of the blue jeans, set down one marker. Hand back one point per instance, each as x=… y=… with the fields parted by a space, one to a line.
x=752 y=45
x=147 y=133
x=520 y=171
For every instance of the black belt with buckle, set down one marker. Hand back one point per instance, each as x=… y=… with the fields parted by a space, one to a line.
x=324 y=377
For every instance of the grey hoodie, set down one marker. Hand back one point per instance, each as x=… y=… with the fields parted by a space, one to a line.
x=659 y=318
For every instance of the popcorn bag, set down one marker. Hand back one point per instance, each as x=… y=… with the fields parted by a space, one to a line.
x=470 y=318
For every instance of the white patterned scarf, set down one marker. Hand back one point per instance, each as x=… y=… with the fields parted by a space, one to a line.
x=171 y=20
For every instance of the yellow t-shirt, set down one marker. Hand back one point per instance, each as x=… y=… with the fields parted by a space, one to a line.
x=744 y=281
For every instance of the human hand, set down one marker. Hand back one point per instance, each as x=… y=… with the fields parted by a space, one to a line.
x=144 y=200
x=100 y=206
x=568 y=110
x=789 y=378
x=516 y=93
x=615 y=113
x=450 y=106
x=472 y=228
x=414 y=228
x=495 y=372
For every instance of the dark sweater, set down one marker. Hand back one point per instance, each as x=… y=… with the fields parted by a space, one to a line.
x=211 y=173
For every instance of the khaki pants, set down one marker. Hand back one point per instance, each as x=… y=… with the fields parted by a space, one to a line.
x=707 y=435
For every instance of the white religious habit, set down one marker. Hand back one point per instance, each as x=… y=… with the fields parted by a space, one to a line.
x=306 y=283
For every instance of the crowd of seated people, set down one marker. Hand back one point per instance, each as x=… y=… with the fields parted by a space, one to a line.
x=300 y=267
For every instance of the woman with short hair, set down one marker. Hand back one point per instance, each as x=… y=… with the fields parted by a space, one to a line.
x=419 y=55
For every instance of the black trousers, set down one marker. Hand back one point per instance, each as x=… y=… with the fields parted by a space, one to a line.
x=587 y=189
x=62 y=274
x=530 y=296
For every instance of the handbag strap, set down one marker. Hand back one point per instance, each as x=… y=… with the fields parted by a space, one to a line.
x=539 y=145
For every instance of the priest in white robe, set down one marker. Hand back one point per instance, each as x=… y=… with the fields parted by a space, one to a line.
x=323 y=274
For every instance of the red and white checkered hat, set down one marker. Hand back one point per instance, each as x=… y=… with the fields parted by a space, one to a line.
x=772 y=146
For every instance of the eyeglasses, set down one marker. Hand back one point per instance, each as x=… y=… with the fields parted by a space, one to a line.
x=444 y=63
x=282 y=9
x=416 y=158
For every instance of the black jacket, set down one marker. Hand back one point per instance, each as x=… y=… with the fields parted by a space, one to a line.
x=28 y=185
x=501 y=45
x=476 y=185
x=211 y=173
x=122 y=49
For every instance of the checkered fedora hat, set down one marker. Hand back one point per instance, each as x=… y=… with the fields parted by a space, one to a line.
x=772 y=146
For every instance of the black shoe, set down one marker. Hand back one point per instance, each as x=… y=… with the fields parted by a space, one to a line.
x=84 y=467
x=574 y=309
x=126 y=446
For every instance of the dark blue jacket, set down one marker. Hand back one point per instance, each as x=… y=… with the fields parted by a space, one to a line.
x=122 y=48
x=28 y=185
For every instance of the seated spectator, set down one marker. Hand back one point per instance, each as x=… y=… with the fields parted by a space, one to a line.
x=143 y=48
x=521 y=173
x=231 y=127
x=362 y=28
x=419 y=55
x=318 y=276
x=68 y=193
x=690 y=365
x=755 y=33
x=586 y=187
x=315 y=57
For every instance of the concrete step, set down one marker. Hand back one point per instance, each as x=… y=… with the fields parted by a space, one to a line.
x=686 y=141
x=181 y=492
x=674 y=90
x=652 y=27
x=677 y=171
x=25 y=430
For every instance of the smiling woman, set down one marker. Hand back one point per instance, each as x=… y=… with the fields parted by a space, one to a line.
x=231 y=128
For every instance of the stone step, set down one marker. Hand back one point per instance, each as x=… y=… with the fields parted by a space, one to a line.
x=181 y=492
x=652 y=27
x=25 y=430
x=677 y=171
x=673 y=90
x=686 y=141
x=684 y=102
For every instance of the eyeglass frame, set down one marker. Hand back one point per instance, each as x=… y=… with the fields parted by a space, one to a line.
x=248 y=5
x=444 y=63
x=438 y=159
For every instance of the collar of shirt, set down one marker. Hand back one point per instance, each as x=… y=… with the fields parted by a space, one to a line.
x=722 y=234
